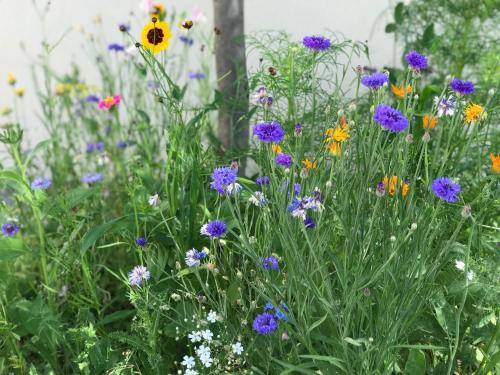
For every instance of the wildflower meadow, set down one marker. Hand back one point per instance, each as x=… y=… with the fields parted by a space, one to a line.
x=356 y=232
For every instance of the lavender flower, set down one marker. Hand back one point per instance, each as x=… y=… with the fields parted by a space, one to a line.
x=316 y=42
x=10 y=230
x=115 y=47
x=91 y=147
x=445 y=106
x=269 y=132
x=375 y=81
x=262 y=180
x=444 y=188
x=416 y=61
x=154 y=200
x=462 y=87
x=197 y=75
x=284 y=160
x=214 y=229
x=121 y=145
x=141 y=241
x=270 y=262
x=222 y=178
x=193 y=257
x=380 y=189
x=265 y=323
x=390 y=119
x=92 y=178
x=92 y=99
x=41 y=183
x=138 y=275
x=186 y=40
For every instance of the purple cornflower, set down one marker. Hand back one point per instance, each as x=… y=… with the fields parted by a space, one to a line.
x=214 y=229
x=193 y=257
x=297 y=131
x=91 y=147
x=268 y=306
x=115 y=47
x=222 y=178
x=264 y=324
x=462 y=87
x=309 y=223
x=92 y=99
x=262 y=180
x=141 y=241
x=121 y=144
x=280 y=315
x=444 y=188
x=380 y=189
x=41 y=183
x=390 y=119
x=92 y=178
x=10 y=230
x=186 y=40
x=138 y=275
x=284 y=160
x=269 y=132
x=316 y=42
x=445 y=106
x=416 y=61
x=270 y=262
x=197 y=75
x=375 y=81
x=261 y=97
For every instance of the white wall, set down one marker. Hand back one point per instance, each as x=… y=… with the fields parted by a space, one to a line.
x=20 y=24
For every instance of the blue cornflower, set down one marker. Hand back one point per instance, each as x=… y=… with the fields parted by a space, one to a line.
x=186 y=40
x=444 y=188
x=10 y=230
x=197 y=75
x=265 y=323
x=214 y=229
x=416 y=61
x=284 y=160
x=91 y=147
x=193 y=257
x=115 y=47
x=269 y=132
x=316 y=42
x=462 y=87
x=138 y=275
x=262 y=180
x=270 y=262
x=141 y=241
x=268 y=306
x=121 y=144
x=41 y=183
x=296 y=189
x=223 y=177
x=92 y=99
x=280 y=315
x=390 y=119
x=309 y=223
x=92 y=178
x=375 y=81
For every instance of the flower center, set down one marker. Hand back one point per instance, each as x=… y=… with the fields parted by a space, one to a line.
x=155 y=36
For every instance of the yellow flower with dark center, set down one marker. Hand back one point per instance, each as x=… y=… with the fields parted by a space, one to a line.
x=155 y=36
x=309 y=164
x=429 y=122
x=473 y=112
x=20 y=92
x=495 y=163
x=276 y=148
x=399 y=91
x=158 y=12
x=11 y=80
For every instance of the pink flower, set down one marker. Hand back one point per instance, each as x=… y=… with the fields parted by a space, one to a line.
x=110 y=102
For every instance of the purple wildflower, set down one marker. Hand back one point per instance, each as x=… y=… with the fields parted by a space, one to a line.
x=445 y=106
x=92 y=178
x=268 y=306
x=92 y=99
x=375 y=81
x=261 y=97
x=41 y=183
x=416 y=61
x=462 y=87
x=214 y=229
x=197 y=75
x=269 y=132
x=10 y=230
x=280 y=315
x=152 y=85
x=265 y=323
x=380 y=189
x=444 y=188
x=390 y=119
x=141 y=241
x=121 y=145
x=316 y=42
x=186 y=40
x=222 y=178
x=284 y=160
x=309 y=223
x=270 y=262
x=297 y=131
x=262 y=180
x=115 y=47
x=138 y=275
x=193 y=257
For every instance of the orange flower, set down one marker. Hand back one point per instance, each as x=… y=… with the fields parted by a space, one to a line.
x=309 y=165
x=276 y=148
x=399 y=91
x=495 y=163
x=405 y=186
x=429 y=122
x=334 y=148
x=392 y=185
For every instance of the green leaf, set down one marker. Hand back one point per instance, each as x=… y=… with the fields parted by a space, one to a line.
x=332 y=360
x=39 y=147
x=416 y=364
x=96 y=233
x=398 y=12
x=11 y=248
x=76 y=196
x=390 y=27
x=116 y=316
x=428 y=36
x=316 y=323
x=17 y=183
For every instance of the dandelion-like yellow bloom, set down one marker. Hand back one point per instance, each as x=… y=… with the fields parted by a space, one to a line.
x=155 y=36
x=495 y=163
x=473 y=112
x=338 y=134
x=20 y=92
x=429 y=122
x=399 y=91
x=309 y=164
x=276 y=148
x=11 y=80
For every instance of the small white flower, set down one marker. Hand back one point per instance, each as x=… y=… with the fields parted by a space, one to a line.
x=206 y=361
x=460 y=265
x=207 y=335
x=204 y=231
x=190 y=371
x=154 y=200
x=188 y=361
x=237 y=348
x=258 y=199
x=233 y=188
x=203 y=351
x=212 y=316
x=470 y=275
x=195 y=336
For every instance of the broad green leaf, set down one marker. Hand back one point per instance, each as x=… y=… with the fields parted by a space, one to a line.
x=390 y=27
x=96 y=233
x=416 y=364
